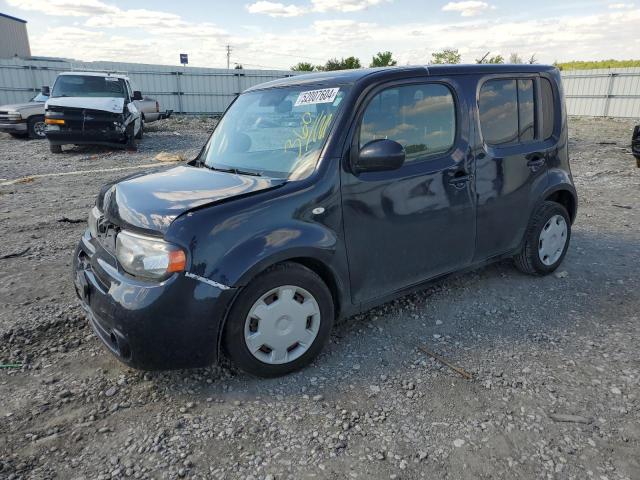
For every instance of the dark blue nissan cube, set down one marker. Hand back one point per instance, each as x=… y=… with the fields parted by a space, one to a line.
x=320 y=196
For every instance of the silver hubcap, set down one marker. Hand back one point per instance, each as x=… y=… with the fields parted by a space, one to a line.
x=282 y=325
x=553 y=238
x=39 y=128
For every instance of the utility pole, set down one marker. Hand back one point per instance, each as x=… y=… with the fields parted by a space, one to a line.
x=228 y=55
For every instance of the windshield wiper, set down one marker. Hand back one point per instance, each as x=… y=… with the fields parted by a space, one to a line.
x=236 y=171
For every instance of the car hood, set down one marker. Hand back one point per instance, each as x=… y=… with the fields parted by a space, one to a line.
x=20 y=106
x=107 y=104
x=152 y=201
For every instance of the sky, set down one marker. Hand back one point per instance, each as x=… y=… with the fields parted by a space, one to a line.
x=275 y=35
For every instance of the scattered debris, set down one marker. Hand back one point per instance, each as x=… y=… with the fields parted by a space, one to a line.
x=71 y=220
x=10 y=365
x=169 y=157
x=562 y=274
x=564 y=417
x=628 y=207
x=15 y=254
x=446 y=362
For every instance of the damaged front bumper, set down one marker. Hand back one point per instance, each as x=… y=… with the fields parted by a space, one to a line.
x=167 y=325
x=82 y=127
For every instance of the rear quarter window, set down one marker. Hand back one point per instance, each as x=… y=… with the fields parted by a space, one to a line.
x=548 y=108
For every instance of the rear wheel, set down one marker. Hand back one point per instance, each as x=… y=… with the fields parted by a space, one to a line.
x=55 y=148
x=36 y=128
x=279 y=322
x=546 y=240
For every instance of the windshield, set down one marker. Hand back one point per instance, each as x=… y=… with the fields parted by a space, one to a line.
x=88 y=86
x=278 y=132
x=39 y=98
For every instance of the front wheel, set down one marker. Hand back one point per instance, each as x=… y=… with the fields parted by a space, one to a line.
x=36 y=128
x=279 y=322
x=546 y=240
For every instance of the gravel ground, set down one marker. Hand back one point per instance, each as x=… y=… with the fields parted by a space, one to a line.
x=555 y=360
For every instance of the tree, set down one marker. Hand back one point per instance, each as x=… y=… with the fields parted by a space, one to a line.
x=383 y=59
x=532 y=59
x=238 y=66
x=448 y=55
x=342 y=64
x=515 y=58
x=488 y=59
x=303 y=67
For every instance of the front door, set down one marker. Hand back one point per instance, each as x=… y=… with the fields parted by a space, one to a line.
x=407 y=225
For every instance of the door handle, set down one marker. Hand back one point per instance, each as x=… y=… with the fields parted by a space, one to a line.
x=536 y=163
x=460 y=179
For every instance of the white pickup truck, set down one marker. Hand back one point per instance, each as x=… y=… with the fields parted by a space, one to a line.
x=96 y=108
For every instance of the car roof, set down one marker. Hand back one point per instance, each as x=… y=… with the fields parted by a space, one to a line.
x=355 y=75
x=96 y=74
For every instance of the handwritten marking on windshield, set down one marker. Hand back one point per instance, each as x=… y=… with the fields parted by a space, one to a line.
x=311 y=130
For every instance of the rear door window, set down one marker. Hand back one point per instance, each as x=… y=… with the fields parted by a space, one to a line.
x=526 y=111
x=421 y=118
x=507 y=110
x=498 y=108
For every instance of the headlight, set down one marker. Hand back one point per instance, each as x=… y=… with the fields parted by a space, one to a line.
x=94 y=216
x=14 y=115
x=148 y=257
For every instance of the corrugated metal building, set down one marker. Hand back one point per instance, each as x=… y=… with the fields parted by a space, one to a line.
x=613 y=92
x=181 y=89
x=14 y=40
x=606 y=92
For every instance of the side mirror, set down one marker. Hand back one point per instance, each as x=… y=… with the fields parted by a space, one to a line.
x=137 y=95
x=380 y=155
x=45 y=90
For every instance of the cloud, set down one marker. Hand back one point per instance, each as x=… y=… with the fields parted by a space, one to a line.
x=67 y=8
x=621 y=6
x=275 y=9
x=343 y=5
x=153 y=36
x=469 y=8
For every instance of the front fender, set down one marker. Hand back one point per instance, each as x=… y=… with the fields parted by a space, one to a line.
x=296 y=240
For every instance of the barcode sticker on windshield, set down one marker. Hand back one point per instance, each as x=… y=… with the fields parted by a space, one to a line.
x=310 y=97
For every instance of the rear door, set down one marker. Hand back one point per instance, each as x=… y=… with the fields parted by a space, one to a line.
x=511 y=159
x=407 y=225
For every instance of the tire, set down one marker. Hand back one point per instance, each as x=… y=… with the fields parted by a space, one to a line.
x=55 y=148
x=131 y=144
x=141 y=131
x=277 y=282
x=542 y=252
x=36 y=128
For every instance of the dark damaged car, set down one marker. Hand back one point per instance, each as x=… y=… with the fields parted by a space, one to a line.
x=635 y=144
x=320 y=196
x=93 y=108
